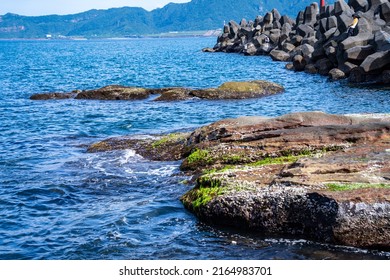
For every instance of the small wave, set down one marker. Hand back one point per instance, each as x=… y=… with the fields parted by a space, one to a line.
x=112 y=163
x=128 y=155
x=286 y=241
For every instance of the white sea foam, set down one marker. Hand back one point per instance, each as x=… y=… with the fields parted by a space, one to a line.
x=162 y=171
x=127 y=157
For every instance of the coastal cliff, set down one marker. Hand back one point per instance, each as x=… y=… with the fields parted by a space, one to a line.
x=317 y=41
x=311 y=175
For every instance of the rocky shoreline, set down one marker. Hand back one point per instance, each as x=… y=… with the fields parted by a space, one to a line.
x=308 y=175
x=228 y=90
x=317 y=41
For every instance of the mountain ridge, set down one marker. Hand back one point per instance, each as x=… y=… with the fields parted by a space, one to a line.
x=133 y=21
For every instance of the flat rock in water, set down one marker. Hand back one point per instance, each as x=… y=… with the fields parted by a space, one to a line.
x=239 y=90
x=52 y=95
x=115 y=92
x=228 y=90
x=173 y=94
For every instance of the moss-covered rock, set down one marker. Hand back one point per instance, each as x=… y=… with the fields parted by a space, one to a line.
x=239 y=90
x=206 y=189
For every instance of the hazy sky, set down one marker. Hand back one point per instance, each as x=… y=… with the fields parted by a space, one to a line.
x=61 y=7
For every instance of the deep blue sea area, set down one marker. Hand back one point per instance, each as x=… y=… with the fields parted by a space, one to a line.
x=59 y=202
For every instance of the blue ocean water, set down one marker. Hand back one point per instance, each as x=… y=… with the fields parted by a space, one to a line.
x=58 y=202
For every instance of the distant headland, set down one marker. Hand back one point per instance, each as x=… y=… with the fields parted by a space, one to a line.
x=130 y=22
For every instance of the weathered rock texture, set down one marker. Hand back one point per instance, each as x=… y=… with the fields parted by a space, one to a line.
x=228 y=90
x=312 y=175
x=320 y=39
x=286 y=175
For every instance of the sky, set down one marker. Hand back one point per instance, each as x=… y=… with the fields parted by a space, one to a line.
x=63 y=7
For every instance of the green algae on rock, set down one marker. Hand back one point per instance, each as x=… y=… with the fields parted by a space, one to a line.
x=239 y=90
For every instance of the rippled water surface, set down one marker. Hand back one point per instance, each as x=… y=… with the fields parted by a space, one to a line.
x=58 y=202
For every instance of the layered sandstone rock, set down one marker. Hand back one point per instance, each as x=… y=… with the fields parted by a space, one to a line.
x=311 y=175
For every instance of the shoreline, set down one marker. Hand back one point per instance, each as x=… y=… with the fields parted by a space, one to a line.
x=167 y=35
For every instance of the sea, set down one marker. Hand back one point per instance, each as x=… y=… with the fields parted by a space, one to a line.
x=58 y=202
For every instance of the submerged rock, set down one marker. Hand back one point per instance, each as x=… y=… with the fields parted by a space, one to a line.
x=239 y=90
x=228 y=90
x=115 y=92
x=111 y=92
x=53 y=95
x=173 y=94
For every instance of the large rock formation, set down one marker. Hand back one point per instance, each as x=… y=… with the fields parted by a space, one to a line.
x=317 y=35
x=312 y=175
x=309 y=175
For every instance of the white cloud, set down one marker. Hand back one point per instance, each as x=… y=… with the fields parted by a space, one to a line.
x=46 y=7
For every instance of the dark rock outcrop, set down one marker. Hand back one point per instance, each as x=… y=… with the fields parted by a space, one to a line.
x=357 y=218
x=317 y=35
